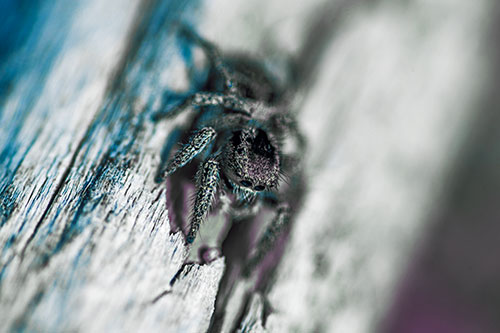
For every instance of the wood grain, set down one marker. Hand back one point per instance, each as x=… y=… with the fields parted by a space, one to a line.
x=85 y=240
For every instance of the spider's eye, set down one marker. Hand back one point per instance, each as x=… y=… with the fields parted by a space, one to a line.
x=240 y=151
x=246 y=183
x=259 y=188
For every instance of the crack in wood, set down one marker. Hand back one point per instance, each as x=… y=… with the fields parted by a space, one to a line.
x=57 y=190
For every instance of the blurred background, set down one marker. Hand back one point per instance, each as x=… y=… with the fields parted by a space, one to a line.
x=399 y=227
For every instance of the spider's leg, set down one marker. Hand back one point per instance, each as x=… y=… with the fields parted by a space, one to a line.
x=196 y=144
x=172 y=139
x=207 y=180
x=232 y=102
x=215 y=57
x=278 y=225
x=285 y=125
x=286 y=130
x=219 y=99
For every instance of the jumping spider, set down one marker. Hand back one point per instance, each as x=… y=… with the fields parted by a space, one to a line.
x=253 y=148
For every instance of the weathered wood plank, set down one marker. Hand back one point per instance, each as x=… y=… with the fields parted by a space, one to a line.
x=87 y=245
x=385 y=121
x=84 y=233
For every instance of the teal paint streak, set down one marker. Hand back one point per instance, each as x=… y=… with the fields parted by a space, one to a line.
x=116 y=124
x=26 y=59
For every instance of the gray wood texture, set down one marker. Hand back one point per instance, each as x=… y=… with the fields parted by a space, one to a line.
x=85 y=242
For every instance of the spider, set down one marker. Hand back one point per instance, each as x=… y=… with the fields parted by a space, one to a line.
x=249 y=143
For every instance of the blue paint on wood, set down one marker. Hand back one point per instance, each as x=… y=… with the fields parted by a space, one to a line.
x=197 y=78
x=18 y=18
x=25 y=63
x=26 y=58
x=117 y=118
x=29 y=59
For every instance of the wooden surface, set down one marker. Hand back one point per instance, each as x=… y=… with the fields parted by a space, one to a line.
x=85 y=240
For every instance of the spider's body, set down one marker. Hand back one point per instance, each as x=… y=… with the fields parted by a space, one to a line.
x=238 y=134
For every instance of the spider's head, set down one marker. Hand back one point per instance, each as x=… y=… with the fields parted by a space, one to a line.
x=252 y=160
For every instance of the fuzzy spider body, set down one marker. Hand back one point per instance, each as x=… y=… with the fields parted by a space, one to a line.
x=237 y=135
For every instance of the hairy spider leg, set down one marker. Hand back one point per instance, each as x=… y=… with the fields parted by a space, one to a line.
x=284 y=126
x=172 y=139
x=232 y=102
x=196 y=144
x=215 y=57
x=268 y=239
x=201 y=99
x=235 y=103
x=207 y=179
